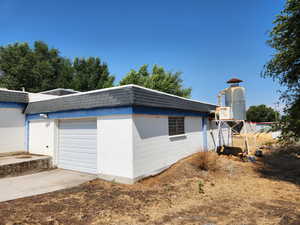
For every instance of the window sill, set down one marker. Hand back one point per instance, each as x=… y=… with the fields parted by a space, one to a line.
x=177 y=136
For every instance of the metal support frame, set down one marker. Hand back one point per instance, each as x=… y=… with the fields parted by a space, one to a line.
x=232 y=131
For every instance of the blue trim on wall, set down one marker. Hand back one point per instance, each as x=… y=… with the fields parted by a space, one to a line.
x=114 y=111
x=168 y=112
x=204 y=129
x=82 y=113
x=12 y=105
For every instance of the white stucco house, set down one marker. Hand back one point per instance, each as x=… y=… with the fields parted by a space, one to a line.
x=122 y=133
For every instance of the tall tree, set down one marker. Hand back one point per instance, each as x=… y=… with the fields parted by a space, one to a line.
x=36 y=69
x=285 y=64
x=262 y=113
x=158 y=79
x=90 y=74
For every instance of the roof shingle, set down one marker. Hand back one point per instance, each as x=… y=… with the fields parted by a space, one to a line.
x=13 y=96
x=129 y=95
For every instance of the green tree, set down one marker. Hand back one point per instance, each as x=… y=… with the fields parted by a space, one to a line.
x=285 y=65
x=91 y=74
x=158 y=79
x=290 y=123
x=262 y=113
x=36 y=69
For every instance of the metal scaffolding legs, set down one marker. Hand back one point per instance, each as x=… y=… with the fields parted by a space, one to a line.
x=234 y=128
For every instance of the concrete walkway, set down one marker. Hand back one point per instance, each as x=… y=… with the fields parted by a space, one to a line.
x=40 y=183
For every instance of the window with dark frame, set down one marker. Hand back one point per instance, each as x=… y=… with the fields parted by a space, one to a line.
x=176 y=125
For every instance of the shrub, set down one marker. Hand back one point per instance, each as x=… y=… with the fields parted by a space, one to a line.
x=208 y=161
x=200 y=186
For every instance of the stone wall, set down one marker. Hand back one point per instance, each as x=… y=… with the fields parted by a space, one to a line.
x=26 y=167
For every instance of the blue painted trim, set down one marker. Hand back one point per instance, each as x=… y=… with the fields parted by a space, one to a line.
x=82 y=113
x=168 y=112
x=12 y=105
x=204 y=130
x=115 y=111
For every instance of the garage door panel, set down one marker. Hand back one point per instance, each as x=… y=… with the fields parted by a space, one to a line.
x=79 y=139
x=73 y=124
x=78 y=168
x=84 y=132
x=82 y=143
x=80 y=155
x=82 y=167
x=88 y=150
x=78 y=136
x=79 y=133
x=77 y=160
x=78 y=145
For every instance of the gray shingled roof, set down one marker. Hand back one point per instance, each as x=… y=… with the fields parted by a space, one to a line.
x=13 y=96
x=130 y=95
x=148 y=97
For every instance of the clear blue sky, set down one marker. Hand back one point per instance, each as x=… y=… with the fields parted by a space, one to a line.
x=209 y=41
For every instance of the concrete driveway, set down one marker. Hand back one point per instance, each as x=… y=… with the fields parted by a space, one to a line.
x=40 y=183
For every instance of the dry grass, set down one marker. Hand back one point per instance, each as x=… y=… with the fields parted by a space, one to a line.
x=254 y=141
x=282 y=164
x=236 y=193
x=208 y=161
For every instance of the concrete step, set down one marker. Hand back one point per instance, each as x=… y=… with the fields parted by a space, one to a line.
x=16 y=165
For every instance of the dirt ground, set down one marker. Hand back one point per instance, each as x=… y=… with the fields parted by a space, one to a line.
x=263 y=192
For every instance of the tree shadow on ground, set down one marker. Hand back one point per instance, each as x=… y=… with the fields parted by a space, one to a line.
x=281 y=164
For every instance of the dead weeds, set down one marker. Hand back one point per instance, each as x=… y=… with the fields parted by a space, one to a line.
x=208 y=161
x=281 y=164
x=235 y=193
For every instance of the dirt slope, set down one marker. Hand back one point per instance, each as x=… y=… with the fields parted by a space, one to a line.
x=236 y=193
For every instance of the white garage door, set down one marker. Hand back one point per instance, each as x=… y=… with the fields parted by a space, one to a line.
x=78 y=145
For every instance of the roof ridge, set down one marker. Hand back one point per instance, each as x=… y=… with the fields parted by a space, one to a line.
x=15 y=91
x=90 y=92
x=126 y=86
x=172 y=95
x=55 y=89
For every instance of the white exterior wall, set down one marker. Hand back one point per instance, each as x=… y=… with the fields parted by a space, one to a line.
x=212 y=138
x=153 y=148
x=12 y=130
x=115 y=147
x=129 y=147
